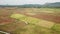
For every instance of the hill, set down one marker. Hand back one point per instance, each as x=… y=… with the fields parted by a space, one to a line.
x=52 y=5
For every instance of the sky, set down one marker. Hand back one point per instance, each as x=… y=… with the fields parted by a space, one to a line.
x=21 y=2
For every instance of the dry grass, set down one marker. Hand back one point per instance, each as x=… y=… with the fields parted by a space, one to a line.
x=44 y=18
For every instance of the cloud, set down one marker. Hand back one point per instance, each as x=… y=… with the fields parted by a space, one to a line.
x=19 y=2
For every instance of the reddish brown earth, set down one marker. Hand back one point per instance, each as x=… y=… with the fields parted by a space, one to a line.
x=4 y=18
x=12 y=27
x=45 y=16
x=49 y=17
x=7 y=23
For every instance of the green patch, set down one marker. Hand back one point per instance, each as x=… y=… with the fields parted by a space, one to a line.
x=33 y=20
x=56 y=28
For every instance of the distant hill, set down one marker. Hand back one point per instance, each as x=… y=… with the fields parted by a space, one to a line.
x=52 y=5
x=23 y=6
x=56 y=4
x=31 y=5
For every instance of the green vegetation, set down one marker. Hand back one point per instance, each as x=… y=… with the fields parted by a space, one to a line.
x=34 y=24
x=56 y=27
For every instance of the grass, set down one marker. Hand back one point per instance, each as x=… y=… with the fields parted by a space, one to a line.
x=35 y=25
x=56 y=27
x=32 y=20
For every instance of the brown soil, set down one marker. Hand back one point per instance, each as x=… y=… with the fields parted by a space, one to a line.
x=5 y=19
x=45 y=16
